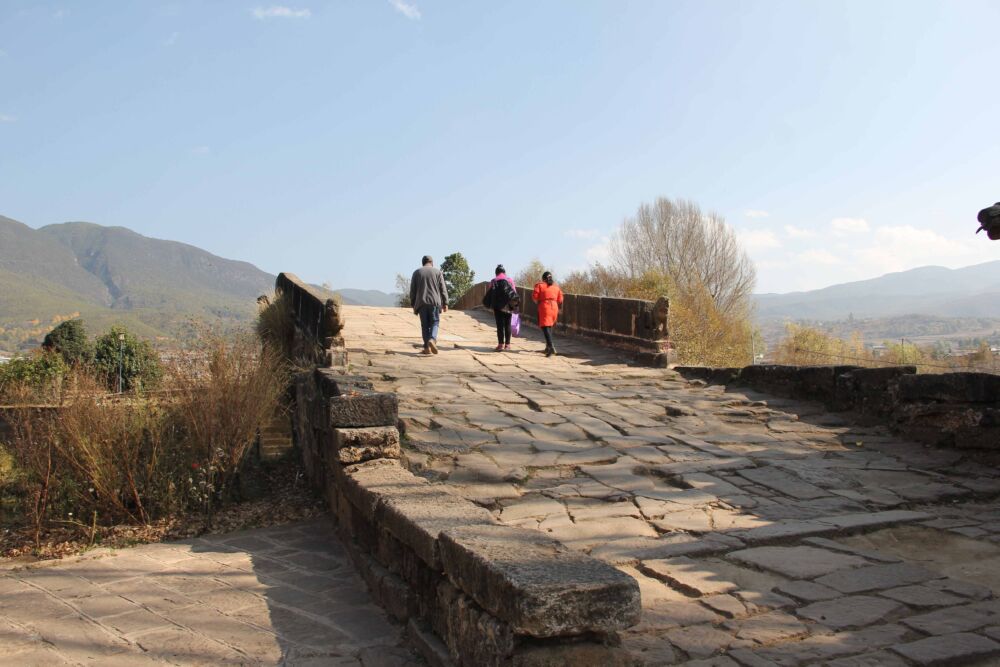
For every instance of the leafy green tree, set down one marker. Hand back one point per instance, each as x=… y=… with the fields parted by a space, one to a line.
x=140 y=364
x=457 y=276
x=70 y=340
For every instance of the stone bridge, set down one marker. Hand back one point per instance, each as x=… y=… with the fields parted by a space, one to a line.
x=758 y=530
x=504 y=508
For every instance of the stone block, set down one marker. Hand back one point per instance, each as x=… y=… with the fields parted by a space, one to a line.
x=474 y=637
x=807 y=591
x=536 y=584
x=877 y=577
x=355 y=445
x=688 y=576
x=922 y=596
x=586 y=312
x=365 y=484
x=619 y=316
x=957 y=619
x=849 y=612
x=874 y=519
x=334 y=383
x=799 y=562
x=950 y=388
x=783 y=530
x=954 y=649
x=370 y=409
x=417 y=516
x=783 y=482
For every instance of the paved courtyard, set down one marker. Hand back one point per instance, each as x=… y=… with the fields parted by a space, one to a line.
x=761 y=531
x=276 y=596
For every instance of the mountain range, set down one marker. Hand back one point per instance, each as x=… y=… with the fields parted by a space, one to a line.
x=113 y=274
x=157 y=287
x=972 y=291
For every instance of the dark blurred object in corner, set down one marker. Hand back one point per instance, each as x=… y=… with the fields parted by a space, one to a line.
x=989 y=219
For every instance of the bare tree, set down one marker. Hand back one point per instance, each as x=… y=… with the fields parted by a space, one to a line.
x=530 y=274
x=695 y=250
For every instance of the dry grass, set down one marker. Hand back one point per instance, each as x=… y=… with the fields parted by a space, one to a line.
x=94 y=460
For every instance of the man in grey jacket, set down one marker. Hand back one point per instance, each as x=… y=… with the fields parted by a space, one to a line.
x=429 y=297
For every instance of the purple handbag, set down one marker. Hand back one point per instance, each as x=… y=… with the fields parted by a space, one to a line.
x=515 y=325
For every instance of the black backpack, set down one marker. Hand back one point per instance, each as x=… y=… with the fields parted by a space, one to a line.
x=501 y=295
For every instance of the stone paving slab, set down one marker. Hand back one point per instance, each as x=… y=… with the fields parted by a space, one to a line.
x=215 y=600
x=732 y=510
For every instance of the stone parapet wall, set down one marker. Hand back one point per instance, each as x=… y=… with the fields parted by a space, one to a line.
x=470 y=590
x=960 y=410
x=317 y=322
x=631 y=324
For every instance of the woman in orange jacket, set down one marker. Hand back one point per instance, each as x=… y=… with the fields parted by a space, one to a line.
x=549 y=297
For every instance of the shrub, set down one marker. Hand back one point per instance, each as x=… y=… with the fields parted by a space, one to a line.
x=275 y=327
x=33 y=378
x=138 y=363
x=807 y=346
x=218 y=405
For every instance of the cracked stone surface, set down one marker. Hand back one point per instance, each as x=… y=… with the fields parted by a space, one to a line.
x=282 y=595
x=752 y=523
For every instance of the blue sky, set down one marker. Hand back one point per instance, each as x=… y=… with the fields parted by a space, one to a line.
x=342 y=140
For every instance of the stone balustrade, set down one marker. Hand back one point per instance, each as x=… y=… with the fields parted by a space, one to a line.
x=960 y=410
x=631 y=324
x=471 y=591
x=317 y=322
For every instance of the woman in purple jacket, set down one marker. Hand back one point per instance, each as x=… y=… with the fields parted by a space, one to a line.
x=502 y=306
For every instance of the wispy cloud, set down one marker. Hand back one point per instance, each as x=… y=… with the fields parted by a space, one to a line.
x=279 y=12
x=818 y=257
x=759 y=239
x=407 y=9
x=59 y=14
x=4 y=118
x=201 y=150
x=849 y=225
x=754 y=213
x=585 y=234
x=170 y=41
x=600 y=252
x=794 y=232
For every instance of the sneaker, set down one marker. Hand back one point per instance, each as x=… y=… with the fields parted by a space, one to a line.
x=499 y=347
x=432 y=345
x=426 y=350
x=506 y=346
x=548 y=352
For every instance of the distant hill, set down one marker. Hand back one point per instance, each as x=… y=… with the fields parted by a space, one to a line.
x=368 y=297
x=112 y=274
x=973 y=291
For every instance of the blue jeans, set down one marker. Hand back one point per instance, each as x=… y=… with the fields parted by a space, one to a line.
x=430 y=317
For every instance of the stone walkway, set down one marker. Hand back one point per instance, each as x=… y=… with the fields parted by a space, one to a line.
x=287 y=595
x=761 y=531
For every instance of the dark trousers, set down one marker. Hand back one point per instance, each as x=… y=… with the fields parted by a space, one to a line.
x=548 y=338
x=503 y=326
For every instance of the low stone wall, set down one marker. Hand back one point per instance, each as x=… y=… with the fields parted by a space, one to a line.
x=317 y=322
x=960 y=410
x=629 y=324
x=471 y=591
